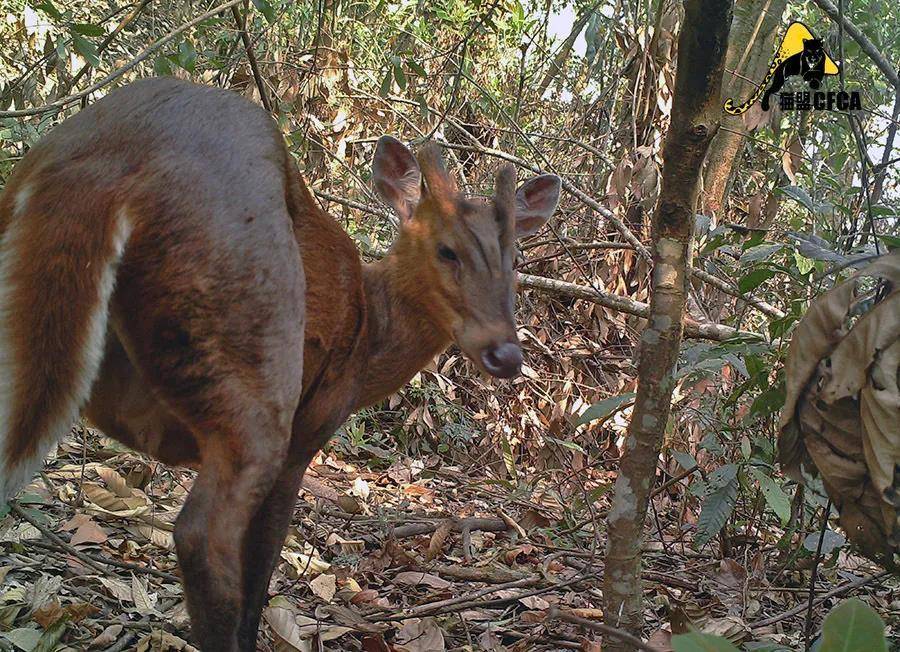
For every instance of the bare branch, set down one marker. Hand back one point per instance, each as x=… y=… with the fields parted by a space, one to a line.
x=115 y=74
x=864 y=43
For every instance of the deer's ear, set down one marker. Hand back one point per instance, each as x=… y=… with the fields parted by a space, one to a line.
x=396 y=176
x=535 y=202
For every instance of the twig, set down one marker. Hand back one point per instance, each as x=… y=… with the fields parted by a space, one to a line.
x=483 y=524
x=357 y=205
x=70 y=549
x=864 y=43
x=807 y=629
x=838 y=590
x=115 y=74
x=558 y=614
x=137 y=568
x=106 y=41
x=430 y=607
x=692 y=329
x=251 y=57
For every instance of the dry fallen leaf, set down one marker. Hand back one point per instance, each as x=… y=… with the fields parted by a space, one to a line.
x=324 y=586
x=417 y=578
x=842 y=404
x=107 y=637
x=88 y=532
x=420 y=635
x=162 y=641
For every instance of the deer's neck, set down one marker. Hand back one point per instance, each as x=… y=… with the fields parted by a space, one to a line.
x=404 y=335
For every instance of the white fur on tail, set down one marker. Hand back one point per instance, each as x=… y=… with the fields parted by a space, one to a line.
x=90 y=356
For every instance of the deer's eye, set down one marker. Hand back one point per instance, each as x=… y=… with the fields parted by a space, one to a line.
x=447 y=254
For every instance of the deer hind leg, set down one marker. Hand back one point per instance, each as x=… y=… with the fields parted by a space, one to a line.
x=224 y=356
x=241 y=420
x=262 y=547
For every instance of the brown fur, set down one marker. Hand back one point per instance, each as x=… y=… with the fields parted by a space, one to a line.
x=243 y=328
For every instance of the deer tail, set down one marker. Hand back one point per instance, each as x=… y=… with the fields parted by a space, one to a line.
x=58 y=260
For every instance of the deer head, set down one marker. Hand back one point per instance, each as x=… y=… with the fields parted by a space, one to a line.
x=457 y=253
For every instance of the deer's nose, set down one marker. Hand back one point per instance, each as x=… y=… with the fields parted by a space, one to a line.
x=502 y=360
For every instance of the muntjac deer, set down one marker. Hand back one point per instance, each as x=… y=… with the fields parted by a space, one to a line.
x=165 y=271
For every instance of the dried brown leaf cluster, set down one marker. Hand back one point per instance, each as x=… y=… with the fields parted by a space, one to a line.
x=842 y=411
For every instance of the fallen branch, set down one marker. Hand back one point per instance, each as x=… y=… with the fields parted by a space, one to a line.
x=127 y=565
x=558 y=614
x=459 y=524
x=48 y=533
x=836 y=591
x=692 y=329
x=431 y=607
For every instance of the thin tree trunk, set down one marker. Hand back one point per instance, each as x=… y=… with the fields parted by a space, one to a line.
x=750 y=49
x=696 y=111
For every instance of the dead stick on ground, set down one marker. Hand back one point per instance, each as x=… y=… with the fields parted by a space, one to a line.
x=47 y=532
x=483 y=524
x=838 y=590
x=440 y=604
x=625 y=637
x=137 y=568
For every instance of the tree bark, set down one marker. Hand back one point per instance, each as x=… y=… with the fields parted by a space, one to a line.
x=696 y=111
x=750 y=49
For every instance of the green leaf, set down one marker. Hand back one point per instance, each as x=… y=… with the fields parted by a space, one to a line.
x=87 y=29
x=571 y=445
x=755 y=278
x=31 y=498
x=399 y=75
x=685 y=460
x=509 y=460
x=698 y=642
x=51 y=636
x=774 y=495
x=711 y=443
x=386 y=83
x=831 y=541
x=800 y=195
x=768 y=402
x=24 y=638
x=758 y=253
x=187 y=55
x=604 y=409
x=86 y=49
x=853 y=626
x=416 y=67
x=48 y=8
x=804 y=264
x=266 y=9
x=718 y=503
x=161 y=66
x=890 y=241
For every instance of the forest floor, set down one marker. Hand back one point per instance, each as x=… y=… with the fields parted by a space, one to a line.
x=420 y=556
